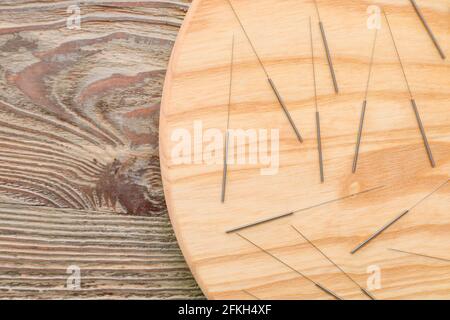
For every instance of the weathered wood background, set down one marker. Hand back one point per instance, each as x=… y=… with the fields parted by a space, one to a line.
x=79 y=169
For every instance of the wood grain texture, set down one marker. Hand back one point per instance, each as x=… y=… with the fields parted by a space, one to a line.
x=392 y=153
x=118 y=256
x=79 y=113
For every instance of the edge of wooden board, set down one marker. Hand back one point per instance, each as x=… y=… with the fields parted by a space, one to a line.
x=162 y=133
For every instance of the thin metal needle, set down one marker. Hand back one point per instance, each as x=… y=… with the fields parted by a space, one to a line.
x=251 y=295
x=398 y=55
x=259 y=222
x=413 y=102
x=293 y=269
x=421 y=255
x=325 y=43
x=376 y=234
x=272 y=84
x=227 y=135
x=248 y=38
x=363 y=109
x=366 y=292
x=430 y=33
x=430 y=194
x=339 y=199
x=319 y=137
x=300 y=210
x=331 y=293
x=286 y=111
x=317 y=10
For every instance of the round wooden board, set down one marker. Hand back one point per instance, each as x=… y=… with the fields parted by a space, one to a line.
x=392 y=154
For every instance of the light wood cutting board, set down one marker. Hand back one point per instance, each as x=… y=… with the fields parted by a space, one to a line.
x=392 y=157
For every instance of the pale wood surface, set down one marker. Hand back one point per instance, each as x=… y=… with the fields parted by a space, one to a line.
x=392 y=153
x=79 y=117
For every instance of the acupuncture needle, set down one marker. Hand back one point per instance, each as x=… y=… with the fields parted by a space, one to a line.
x=251 y=295
x=427 y=27
x=376 y=234
x=319 y=138
x=421 y=255
x=245 y=226
x=272 y=84
x=366 y=292
x=249 y=225
x=413 y=102
x=227 y=134
x=293 y=269
x=364 y=105
x=327 y=50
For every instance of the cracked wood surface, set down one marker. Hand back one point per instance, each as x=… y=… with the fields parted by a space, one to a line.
x=79 y=167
